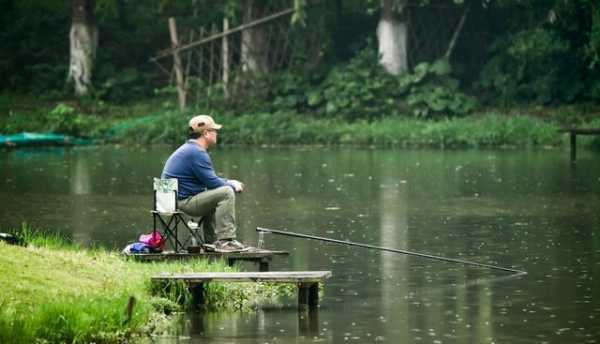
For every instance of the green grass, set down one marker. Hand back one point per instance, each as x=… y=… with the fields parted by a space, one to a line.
x=57 y=292
x=156 y=121
x=484 y=130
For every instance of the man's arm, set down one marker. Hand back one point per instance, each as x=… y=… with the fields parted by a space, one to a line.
x=203 y=170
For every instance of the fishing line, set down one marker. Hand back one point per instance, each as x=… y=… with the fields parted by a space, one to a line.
x=417 y=254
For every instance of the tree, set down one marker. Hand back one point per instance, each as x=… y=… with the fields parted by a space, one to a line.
x=392 y=37
x=254 y=40
x=83 y=38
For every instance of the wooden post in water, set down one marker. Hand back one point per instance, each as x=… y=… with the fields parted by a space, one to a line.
x=197 y=292
x=573 y=137
x=177 y=64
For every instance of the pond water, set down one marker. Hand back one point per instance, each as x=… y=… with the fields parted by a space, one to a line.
x=527 y=210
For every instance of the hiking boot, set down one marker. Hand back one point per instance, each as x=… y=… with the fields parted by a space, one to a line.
x=230 y=245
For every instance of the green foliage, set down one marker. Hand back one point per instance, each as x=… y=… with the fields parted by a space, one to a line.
x=592 y=48
x=43 y=239
x=168 y=127
x=358 y=89
x=431 y=92
x=489 y=130
x=34 y=45
x=299 y=15
x=122 y=86
x=63 y=119
x=361 y=89
x=535 y=65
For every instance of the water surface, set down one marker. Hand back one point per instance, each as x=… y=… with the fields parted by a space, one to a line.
x=527 y=210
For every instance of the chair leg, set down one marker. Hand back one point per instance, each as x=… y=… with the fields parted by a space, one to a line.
x=194 y=233
x=170 y=229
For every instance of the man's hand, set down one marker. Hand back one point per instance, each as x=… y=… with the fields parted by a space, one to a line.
x=237 y=185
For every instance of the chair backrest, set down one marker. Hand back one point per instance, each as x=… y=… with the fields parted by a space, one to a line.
x=165 y=195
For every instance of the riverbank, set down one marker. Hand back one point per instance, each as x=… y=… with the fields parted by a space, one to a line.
x=56 y=292
x=156 y=121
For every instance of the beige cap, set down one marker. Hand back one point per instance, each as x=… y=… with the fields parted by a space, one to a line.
x=202 y=122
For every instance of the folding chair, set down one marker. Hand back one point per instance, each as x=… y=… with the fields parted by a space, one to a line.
x=170 y=217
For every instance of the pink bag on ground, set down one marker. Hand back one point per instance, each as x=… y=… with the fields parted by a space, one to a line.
x=154 y=240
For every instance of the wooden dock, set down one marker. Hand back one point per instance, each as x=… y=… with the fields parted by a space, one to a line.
x=261 y=257
x=307 y=282
x=573 y=132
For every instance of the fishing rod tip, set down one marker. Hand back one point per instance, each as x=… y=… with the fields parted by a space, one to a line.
x=260 y=229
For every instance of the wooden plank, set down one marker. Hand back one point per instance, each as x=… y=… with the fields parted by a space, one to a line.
x=268 y=276
x=167 y=52
x=247 y=255
x=581 y=131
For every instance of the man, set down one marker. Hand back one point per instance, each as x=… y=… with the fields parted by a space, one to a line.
x=201 y=192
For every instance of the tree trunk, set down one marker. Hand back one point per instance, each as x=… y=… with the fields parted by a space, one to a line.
x=84 y=42
x=392 y=36
x=254 y=41
x=225 y=58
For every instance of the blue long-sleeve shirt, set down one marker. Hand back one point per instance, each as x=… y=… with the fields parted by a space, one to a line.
x=192 y=167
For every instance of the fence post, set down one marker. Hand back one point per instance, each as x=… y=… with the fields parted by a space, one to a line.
x=177 y=63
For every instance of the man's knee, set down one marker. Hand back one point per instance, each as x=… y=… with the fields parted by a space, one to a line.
x=227 y=191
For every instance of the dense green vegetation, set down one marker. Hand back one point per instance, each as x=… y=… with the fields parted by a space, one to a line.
x=153 y=123
x=513 y=59
x=54 y=291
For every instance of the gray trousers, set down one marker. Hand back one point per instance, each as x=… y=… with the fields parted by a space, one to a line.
x=217 y=207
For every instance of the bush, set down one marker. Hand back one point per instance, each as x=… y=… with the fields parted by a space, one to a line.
x=533 y=66
x=63 y=119
x=361 y=89
x=432 y=92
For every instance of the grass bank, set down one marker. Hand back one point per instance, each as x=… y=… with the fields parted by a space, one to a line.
x=155 y=121
x=490 y=129
x=56 y=292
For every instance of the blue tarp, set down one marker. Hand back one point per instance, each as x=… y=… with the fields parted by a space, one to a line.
x=39 y=139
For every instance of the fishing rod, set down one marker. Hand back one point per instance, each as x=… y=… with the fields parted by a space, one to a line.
x=350 y=243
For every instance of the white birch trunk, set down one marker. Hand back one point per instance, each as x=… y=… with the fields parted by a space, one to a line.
x=253 y=53
x=392 y=36
x=83 y=39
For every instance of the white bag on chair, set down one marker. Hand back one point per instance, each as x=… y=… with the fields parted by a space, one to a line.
x=165 y=195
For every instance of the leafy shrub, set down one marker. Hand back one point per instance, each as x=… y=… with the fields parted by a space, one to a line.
x=361 y=89
x=167 y=127
x=534 y=66
x=123 y=85
x=63 y=119
x=431 y=91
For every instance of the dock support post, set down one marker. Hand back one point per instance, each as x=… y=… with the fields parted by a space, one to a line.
x=308 y=295
x=197 y=292
x=313 y=296
x=308 y=323
x=263 y=265
x=302 y=296
x=573 y=137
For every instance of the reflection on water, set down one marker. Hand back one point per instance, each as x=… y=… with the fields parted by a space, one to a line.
x=530 y=210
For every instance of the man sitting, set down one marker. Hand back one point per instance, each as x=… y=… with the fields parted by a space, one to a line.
x=201 y=192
